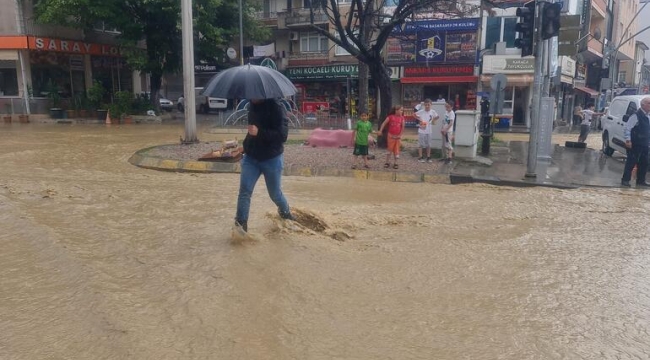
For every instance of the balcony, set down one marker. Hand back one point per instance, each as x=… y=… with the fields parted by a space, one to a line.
x=268 y=18
x=601 y=8
x=52 y=31
x=302 y=17
x=595 y=46
x=309 y=58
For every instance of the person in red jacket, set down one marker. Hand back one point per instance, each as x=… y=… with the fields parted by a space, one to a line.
x=395 y=123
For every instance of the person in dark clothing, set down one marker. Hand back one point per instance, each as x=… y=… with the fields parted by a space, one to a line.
x=637 y=139
x=268 y=129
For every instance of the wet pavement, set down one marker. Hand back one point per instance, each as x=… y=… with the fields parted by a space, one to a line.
x=568 y=167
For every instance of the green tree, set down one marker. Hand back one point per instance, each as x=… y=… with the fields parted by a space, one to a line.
x=362 y=28
x=157 y=23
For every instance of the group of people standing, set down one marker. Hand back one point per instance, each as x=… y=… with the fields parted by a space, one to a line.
x=395 y=123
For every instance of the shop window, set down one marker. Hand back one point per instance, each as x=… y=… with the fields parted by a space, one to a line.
x=500 y=29
x=621 y=76
x=8 y=78
x=313 y=42
x=508 y=99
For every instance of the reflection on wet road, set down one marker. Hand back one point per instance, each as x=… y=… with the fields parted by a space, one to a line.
x=103 y=260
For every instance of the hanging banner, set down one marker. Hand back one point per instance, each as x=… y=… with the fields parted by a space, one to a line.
x=434 y=41
x=265 y=50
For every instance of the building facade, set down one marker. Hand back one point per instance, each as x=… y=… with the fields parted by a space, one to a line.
x=36 y=58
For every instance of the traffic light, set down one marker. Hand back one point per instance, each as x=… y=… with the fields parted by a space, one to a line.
x=551 y=20
x=526 y=28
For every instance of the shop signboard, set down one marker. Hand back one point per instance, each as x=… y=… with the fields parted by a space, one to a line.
x=71 y=46
x=205 y=68
x=434 y=41
x=508 y=64
x=438 y=70
x=568 y=66
x=323 y=72
x=313 y=107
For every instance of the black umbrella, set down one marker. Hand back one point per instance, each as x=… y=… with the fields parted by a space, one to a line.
x=249 y=82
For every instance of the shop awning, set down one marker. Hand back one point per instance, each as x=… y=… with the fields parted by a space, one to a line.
x=513 y=79
x=439 y=79
x=587 y=90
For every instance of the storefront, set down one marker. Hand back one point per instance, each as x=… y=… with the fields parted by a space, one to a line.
x=335 y=85
x=565 y=92
x=439 y=59
x=68 y=66
x=11 y=83
x=520 y=74
x=448 y=82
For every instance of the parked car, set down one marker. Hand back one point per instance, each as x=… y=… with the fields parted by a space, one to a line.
x=166 y=104
x=204 y=103
x=617 y=114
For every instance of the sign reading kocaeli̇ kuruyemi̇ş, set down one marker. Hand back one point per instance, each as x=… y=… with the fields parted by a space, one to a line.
x=323 y=72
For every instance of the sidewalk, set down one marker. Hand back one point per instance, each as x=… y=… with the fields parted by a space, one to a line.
x=506 y=165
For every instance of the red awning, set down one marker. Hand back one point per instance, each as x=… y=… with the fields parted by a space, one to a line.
x=587 y=90
x=439 y=79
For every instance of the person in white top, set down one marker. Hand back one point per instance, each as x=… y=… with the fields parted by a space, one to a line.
x=426 y=117
x=585 y=125
x=447 y=131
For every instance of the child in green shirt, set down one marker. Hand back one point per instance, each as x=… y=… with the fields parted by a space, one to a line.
x=362 y=129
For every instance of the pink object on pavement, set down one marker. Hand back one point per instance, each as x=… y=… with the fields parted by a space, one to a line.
x=330 y=138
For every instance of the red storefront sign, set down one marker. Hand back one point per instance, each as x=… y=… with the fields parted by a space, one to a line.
x=310 y=107
x=71 y=46
x=439 y=70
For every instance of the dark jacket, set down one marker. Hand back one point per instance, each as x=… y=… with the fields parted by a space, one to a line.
x=640 y=135
x=272 y=123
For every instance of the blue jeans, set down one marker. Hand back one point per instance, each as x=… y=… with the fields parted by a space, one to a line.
x=251 y=170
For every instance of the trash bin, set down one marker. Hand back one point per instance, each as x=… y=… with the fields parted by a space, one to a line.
x=504 y=123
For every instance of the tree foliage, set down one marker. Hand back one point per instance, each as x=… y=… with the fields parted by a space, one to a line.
x=362 y=27
x=158 y=24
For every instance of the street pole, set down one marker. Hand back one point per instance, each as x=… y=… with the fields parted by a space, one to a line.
x=241 y=33
x=188 y=72
x=537 y=94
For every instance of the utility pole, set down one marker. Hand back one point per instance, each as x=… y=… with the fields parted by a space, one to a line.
x=538 y=83
x=188 y=72
x=241 y=33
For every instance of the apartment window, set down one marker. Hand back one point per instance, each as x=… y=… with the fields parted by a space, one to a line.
x=500 y=29
x=313 y=42
x=341 y=51
x=101 y=26
x=315 y=3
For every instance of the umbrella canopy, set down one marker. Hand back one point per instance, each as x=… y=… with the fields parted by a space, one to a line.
x=249 y=82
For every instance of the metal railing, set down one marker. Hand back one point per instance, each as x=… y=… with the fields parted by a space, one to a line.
x=309 y=55
x=266 y=15
x=303 y=16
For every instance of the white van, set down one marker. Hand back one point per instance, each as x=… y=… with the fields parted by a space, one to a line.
x=614 y=121
x=204 y=103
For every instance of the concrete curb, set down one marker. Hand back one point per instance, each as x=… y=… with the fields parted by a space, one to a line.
x=140 y=159
x=456 y=179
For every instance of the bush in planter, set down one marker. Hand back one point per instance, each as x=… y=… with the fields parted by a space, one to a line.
x=55 y=101
x=124 y=101
x=95 y=97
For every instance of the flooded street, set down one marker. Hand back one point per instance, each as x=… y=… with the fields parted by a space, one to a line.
x=104 y=260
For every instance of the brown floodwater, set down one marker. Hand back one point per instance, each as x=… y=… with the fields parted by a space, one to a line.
x=103 y=260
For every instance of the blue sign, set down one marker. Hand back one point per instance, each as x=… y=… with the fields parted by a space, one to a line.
x=439 y=25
